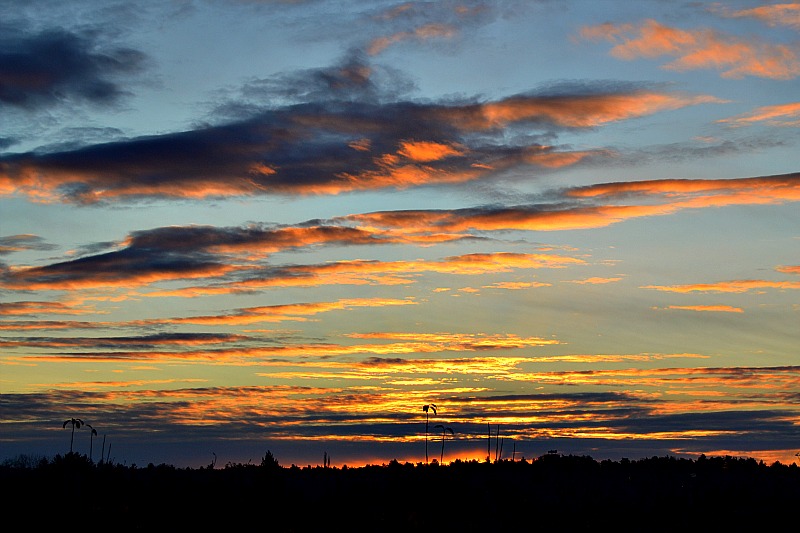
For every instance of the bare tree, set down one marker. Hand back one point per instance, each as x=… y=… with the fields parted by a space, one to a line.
x=76 y=422
x=427 y=407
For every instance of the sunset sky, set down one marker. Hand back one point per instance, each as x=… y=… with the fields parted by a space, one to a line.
x=234 y=226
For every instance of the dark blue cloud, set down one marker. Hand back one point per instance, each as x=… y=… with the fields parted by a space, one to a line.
x=43 y=69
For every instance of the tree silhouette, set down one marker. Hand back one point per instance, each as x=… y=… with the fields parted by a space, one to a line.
x=427 y=407
x=92 y=434
x=76 y=422
x=444 y=432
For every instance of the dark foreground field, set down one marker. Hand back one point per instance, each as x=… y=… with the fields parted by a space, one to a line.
x=553 y=492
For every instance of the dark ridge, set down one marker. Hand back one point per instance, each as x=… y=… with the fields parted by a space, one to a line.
x=551 y=492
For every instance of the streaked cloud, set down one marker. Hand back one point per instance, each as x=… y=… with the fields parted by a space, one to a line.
x=26 y=308
x=18 y=243
x=782 y=14
x=734 y=286
x=280 y=313
x=232 y=239
x=708 y=308
x=262 y=354
x=423 y=33
x=204 y=252
x=734 y=56
x=781 y=115
x=713 y=403
x=595 y=280
x=50 y=67
x=517 y=285
x=362 y=272
x=674 y=195
x=333 y=146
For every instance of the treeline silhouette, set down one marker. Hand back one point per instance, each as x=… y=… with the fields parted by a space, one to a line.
x=570 y=493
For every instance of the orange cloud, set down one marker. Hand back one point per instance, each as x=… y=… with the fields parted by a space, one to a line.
x=673 y=195
x=513 y=218
x=361 y=145
x=793 y=269
x=44 y=278
x=709 y=381
x=499 y=262
x=144 y=343
x=703 y=193
x=787 y=14
x=475 y=341
x=29 y=325
x=736 y=286
x=424 y=151
x=281 y=313
x=516 y=285
x=712 y=308
x=410 y=344
x=249 y=315
x=43 y=185
x=615 y=358
x=38 y=308
x=423 y=33
x=595 y=281
x=583 y=111
x=390 y=173
x=256 y=241
x=782 y=115
x=696 y=49
x=360 y=272
x=407 y=168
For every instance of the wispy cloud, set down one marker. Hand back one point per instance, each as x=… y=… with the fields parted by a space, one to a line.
x=734 y=286
x=363 y=272
x=781 y=115
x=39 y=70
x=281 y=313
x=423 y=22
x=141 y=342
x=710 y=402
x=27 y=308
x=517 y=285
x=708 y=308
x=335 y=145
x=18 y=243
x=262 y=354
x=783 y=14
x=789 y=269
x=422 y=33
x=734 y=56
x=213 y=254
x=595 y=280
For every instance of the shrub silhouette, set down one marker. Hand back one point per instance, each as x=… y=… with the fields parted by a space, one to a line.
x=92 y=435
x=76 y=422
x=444 y=432
x=427 y=407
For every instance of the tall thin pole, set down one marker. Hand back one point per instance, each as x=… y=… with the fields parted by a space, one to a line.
x=497 y=442
x=489 y=442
